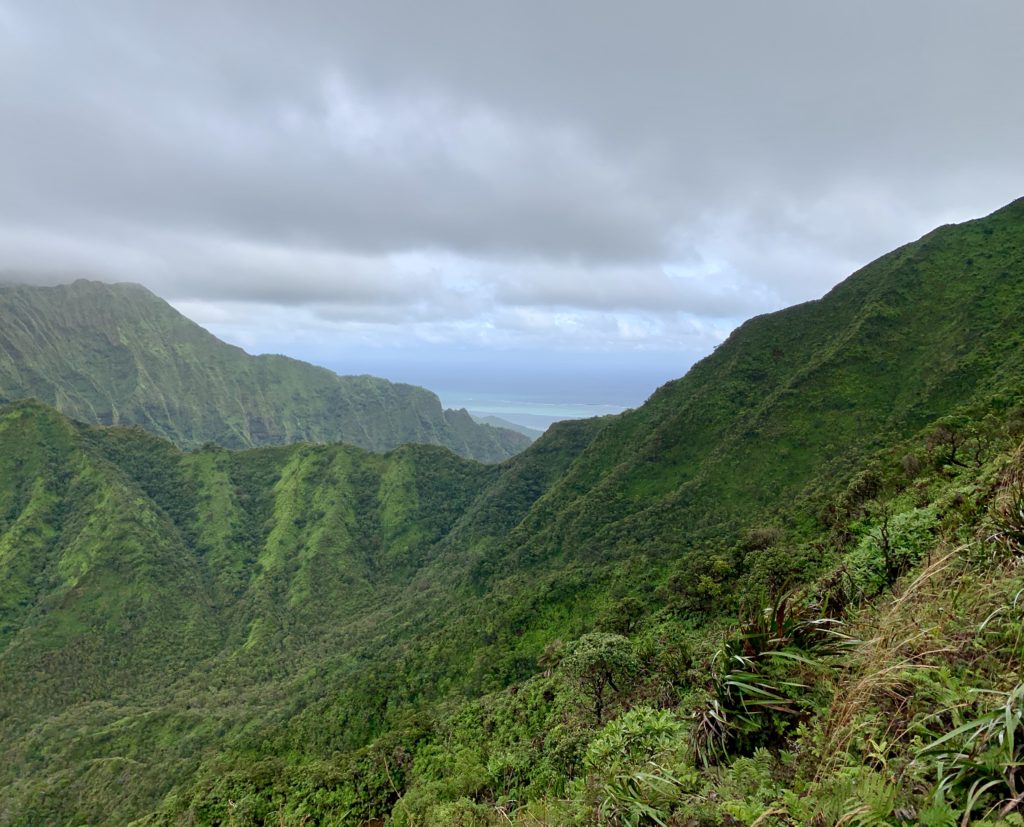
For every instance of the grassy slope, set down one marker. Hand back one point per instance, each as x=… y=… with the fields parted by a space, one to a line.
x=342 y=599
x=796 y=393
x=116 y=354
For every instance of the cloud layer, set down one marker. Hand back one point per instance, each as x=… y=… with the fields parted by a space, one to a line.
x=579 y=175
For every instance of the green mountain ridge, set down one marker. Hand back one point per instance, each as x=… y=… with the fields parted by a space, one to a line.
x=115 y=354
x=498 y=422
x=318 y=633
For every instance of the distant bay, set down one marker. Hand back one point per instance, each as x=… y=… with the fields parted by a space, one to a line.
x=531 y=412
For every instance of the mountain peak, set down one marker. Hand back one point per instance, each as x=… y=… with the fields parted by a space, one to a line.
x=119 y=354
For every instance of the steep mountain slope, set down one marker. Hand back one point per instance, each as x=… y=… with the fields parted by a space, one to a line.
x=117 y=354
x=301 y=631
x=900 y=343
x=145 y=589
x=498 y=422
x=776 y=420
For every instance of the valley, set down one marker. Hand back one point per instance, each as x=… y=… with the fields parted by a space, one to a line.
x=649 y=617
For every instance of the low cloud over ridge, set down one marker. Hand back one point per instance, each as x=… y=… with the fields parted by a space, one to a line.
x=584 y=175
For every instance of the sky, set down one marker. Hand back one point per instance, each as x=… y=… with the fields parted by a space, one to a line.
x=568 y=201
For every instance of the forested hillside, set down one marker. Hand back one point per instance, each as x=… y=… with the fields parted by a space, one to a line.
x=117 y=354
x=784 y=591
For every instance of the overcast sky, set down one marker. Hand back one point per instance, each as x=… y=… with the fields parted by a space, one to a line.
x=379 y=185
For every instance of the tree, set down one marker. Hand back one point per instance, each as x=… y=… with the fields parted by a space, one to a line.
x=624 y=616
x=600 y=664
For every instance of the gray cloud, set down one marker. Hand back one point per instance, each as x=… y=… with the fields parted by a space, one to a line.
x=589 y=172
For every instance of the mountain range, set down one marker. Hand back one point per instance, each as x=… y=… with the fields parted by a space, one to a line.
x=115 y=354
x=317 y=633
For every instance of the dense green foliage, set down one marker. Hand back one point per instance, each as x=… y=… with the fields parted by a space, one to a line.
x=117 y=354
x=785 y=591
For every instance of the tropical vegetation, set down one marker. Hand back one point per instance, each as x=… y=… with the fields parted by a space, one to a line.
x=787 y=590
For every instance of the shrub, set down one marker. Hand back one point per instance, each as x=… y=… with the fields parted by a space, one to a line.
x=635 y=771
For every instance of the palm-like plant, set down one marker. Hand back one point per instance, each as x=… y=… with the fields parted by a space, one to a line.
x=753 y=691
x=1009 y=509
x=982 y=760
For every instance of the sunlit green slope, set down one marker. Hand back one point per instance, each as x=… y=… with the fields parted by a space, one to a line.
x=117 y=354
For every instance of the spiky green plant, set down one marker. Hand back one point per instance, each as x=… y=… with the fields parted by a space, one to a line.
x=758 y=678
x=1009 y=510
x=980 y=763
x=640 y=797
